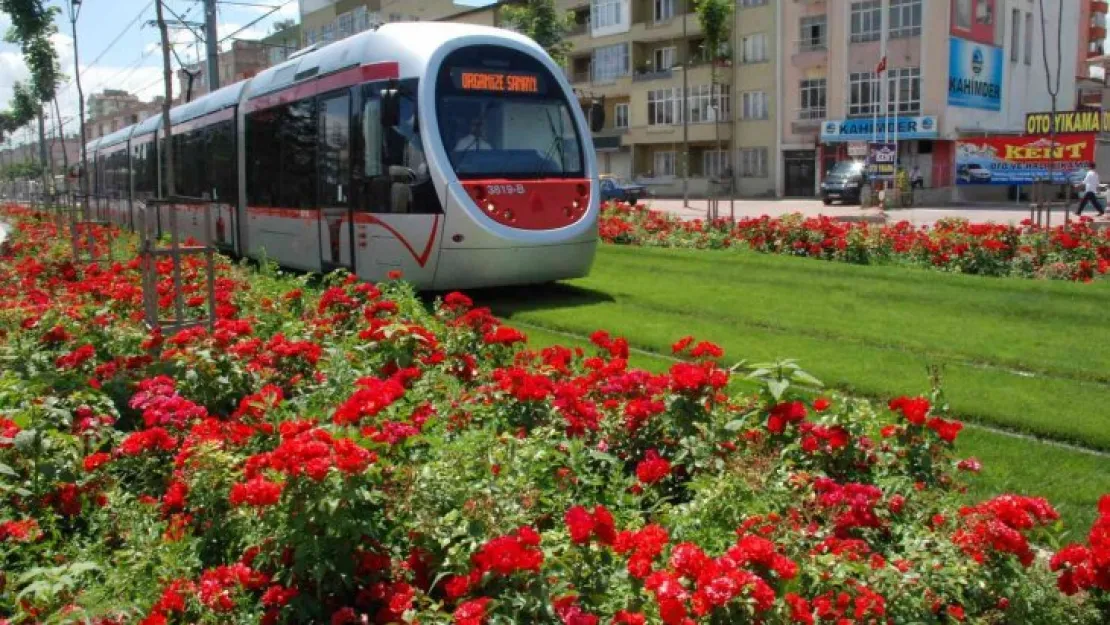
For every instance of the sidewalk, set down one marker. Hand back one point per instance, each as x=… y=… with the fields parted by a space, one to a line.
x=920 y=216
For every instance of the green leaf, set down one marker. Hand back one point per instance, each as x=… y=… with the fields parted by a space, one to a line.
x=735 y=425
x=778 y=388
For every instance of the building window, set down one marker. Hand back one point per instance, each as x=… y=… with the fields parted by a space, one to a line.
x=345 y=25
x=813 y=99
x=664 y=106
x=814 y=32
x=714 y=163
x=963 y=14
x=1028 y=38
x=867 y=20
x=327 y=33
x=754 y=48
x=863 y=96
x=752 y=3
x=664 y=10
x=753 y=163
x=620 y=115
x=753 y=105
x=907 y=81
x=664 y=163
x=905 y=18
x=611 y=62
x=704 y=102
x=310 y=37
x=606 y=13
x=396 y=17
x=1015 y=35
x=664 y=58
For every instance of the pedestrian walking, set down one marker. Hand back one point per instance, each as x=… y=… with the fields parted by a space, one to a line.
x=1090 y=184
x=917 y=181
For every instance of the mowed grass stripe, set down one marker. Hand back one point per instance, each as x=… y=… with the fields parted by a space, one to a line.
x=1062 y=409
x=1038 y=326
x=1072 y=480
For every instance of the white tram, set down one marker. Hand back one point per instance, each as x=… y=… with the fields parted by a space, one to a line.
x=455 y=154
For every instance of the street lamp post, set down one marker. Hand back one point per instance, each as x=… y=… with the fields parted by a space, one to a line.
x=74 y=12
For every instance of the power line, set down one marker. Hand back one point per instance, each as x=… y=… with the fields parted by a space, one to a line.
x=272 y=10
x=110 y=45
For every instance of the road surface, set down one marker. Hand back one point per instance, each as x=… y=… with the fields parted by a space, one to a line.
x=998 y=213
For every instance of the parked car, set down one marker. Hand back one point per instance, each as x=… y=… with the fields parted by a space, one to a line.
x=973 y=173
x=613 y=188
x=844 y=182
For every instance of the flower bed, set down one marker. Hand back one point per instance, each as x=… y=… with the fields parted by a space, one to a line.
x=346 y=455
x=1074 y=252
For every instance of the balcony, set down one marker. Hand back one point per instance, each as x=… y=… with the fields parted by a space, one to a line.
x=1097 y=6
x=809 y=53
x=1097 y=33
x=609 y=140
x=578 y=29
x=645 y=75
x=807 y=121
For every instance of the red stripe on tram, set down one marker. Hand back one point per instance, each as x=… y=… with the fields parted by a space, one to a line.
x=421 y=258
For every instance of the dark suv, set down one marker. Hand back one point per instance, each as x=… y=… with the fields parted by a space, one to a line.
x=844 y=182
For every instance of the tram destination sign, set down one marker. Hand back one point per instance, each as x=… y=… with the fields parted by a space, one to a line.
x=1068 y=122
x=497 y=82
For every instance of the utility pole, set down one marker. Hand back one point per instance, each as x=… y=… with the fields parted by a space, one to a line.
x=683 y=112
x=167 y=102
x=212 y=43
x=74 y=12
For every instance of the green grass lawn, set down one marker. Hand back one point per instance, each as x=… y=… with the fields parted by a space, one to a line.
x=1032 y=356
x=1029 y=356
x=1071 y=479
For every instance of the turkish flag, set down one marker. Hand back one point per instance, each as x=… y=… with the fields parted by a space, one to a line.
x=881 y=67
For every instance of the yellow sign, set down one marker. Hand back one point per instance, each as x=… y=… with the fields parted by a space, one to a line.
x=1092 y=120
x=1066 y=151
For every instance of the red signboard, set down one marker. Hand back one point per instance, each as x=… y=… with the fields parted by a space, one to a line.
x=1037 y=148
x=975 y=20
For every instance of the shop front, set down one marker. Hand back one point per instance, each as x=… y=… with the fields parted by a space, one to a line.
x=916 y=137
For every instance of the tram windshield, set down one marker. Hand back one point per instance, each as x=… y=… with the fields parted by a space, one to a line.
x=504 y=117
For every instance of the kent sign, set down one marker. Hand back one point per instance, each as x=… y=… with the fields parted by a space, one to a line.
x=1068 y=122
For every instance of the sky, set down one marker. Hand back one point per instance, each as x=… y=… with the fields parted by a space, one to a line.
x=134 y=61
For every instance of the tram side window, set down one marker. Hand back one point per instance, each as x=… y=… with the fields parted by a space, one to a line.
x=222 y=177
x=396 y=178
x=190 y=155
x=143 y=165
x=281 y=156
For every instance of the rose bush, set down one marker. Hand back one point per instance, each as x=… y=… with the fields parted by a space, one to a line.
x=343 y=453
x=1073 y=252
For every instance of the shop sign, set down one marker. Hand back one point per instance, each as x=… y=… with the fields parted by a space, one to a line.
x=882 y=160
x=974 y=75
x=1021 y=160
x=1068 y=122
x=857 y=149
x=864 y=129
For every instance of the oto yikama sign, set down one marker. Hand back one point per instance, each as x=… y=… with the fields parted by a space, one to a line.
x=1020 y=160
x=974 y=75
x=1068 y=122
x=882 y=160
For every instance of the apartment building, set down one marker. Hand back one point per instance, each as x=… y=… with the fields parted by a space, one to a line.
x=954 y=68
x=665 y=90
x=325 y=21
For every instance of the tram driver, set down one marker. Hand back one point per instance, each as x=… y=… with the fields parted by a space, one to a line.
x=473 y=140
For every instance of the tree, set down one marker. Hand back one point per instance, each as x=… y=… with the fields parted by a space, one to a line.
x=540 y=20
x=32 y=27
x=281 y=25
x=715 y=17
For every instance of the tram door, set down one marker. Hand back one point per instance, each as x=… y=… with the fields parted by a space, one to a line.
x=334 y=164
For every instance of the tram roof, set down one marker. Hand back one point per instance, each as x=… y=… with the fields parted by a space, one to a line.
x=116 y=138
x=148 y=125
x=218 y=100
x=410 y=44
